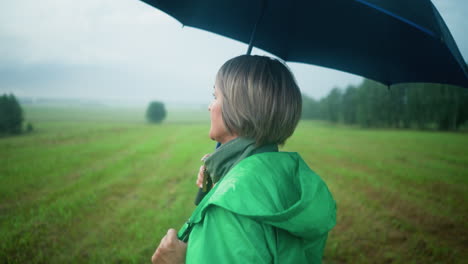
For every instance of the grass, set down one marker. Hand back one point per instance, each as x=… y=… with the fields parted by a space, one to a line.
x=101 y=186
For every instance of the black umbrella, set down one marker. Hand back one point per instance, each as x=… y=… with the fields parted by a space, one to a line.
x=390 y=41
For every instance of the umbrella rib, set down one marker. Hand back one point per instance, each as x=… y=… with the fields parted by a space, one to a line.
x=254 y=31
x=409 y=22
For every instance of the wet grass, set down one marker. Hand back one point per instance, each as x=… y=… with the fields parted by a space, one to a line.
x=103 y=188
x=402 y=195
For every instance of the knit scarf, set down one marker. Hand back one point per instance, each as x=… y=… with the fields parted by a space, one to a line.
x=220 y=162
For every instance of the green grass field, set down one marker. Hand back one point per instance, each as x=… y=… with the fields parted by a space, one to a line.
x=101 y=186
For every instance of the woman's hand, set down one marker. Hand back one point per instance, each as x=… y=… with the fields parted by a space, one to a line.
x=200 y=176
x=170 y=250
x=201 y=171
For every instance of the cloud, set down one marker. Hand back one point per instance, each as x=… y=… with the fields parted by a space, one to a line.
x=454 y=14
x=81 y=32
x=127 y=49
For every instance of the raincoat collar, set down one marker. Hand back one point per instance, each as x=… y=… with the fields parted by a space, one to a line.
x=229 y=154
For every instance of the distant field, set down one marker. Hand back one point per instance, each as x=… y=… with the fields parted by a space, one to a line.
x=102 y=186
x=112 y=114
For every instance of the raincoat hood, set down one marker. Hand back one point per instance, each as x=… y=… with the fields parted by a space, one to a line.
x=275 y=188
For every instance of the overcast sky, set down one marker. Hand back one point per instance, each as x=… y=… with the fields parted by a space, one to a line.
x=126 y=50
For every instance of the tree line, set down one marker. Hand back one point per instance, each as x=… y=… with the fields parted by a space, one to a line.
x=371 y=104
x=12 y=119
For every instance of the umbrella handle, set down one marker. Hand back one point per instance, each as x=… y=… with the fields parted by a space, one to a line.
x=254 y=30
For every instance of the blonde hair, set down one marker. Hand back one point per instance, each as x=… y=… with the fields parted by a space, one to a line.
x=261 y=99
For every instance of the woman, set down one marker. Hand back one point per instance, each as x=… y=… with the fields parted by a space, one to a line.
x=265 y=206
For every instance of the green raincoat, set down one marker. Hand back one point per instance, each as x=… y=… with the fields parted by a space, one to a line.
x=269 y=208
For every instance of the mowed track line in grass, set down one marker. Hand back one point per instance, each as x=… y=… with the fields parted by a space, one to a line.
x=98 y=190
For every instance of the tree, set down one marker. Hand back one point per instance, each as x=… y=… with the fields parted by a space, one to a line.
x=310 y=108
x=29 y=127
x=333 y=105
x=462 y=108
x=11 y=115
x=155 y=112
x=350 y=105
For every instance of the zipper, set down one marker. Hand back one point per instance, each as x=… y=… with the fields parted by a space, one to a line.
x=188 y=228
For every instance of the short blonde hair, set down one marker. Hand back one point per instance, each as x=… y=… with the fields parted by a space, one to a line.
x=261 y=99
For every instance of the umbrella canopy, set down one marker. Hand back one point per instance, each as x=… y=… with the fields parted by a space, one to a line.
x=389 y=41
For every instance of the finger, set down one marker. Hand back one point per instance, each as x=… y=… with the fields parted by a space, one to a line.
x=157 y=251
x=200 y=177
x=171 y=238
x=162 y=244
x=205 y=157
x=172 y=234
